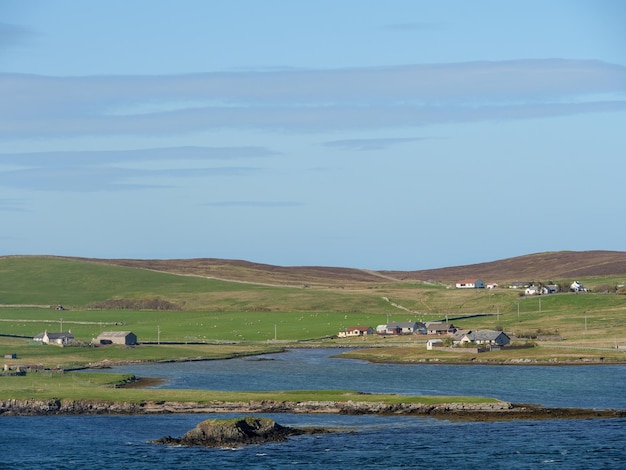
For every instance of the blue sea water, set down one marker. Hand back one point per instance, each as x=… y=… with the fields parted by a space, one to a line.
x=369 y=442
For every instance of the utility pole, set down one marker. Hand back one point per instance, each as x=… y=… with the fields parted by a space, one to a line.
x=275 y=333
x=61 y=321
x=158 y=334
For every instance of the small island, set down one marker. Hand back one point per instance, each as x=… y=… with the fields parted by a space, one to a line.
x=236 y=432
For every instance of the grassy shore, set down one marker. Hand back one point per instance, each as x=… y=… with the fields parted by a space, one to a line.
x=109 y=387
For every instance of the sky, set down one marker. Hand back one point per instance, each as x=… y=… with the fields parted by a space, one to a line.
x=395 y=135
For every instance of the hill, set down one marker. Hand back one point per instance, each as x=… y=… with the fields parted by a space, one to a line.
x=539 y=266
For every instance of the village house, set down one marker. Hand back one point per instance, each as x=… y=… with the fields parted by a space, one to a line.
x=577 y=287
x=400 y=328
x=60 y=339
x=520 y=284
x=550 y=289
x=482 y=337
x=356 y=331
x=439 y=328
x=470 y=284
x=127 y=338
x=532 y=290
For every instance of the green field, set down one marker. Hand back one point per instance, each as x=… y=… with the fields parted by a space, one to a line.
x=101 y=387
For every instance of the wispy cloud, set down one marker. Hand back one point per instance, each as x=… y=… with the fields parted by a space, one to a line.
x=307 y=100
x=414 y=26
x=369 y=144
x=108 y=157
x=11 y=205
x=91 y=171
x=268 y=204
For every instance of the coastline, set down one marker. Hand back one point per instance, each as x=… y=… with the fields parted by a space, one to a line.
x=499 y=411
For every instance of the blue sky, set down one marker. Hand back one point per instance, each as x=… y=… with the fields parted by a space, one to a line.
x=380 y=135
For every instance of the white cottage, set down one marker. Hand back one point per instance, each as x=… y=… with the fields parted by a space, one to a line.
x=470 y=284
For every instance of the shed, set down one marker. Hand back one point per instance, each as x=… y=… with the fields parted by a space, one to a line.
x=434 y=343
x=117 y=337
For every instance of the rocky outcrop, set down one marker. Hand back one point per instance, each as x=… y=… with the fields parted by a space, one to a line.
x=233 y=433
x=499 y=410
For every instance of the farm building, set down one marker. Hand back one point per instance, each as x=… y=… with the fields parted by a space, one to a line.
x=470 y=284
x=117 y=337
x=61 y=339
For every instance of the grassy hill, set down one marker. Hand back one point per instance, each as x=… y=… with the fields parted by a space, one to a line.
x=212 y=301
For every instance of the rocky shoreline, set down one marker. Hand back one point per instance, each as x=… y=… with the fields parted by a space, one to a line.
x=451 y=411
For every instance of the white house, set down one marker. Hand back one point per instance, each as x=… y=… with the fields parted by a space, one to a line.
x=470 y=284
x=532 y=290
x=577 y=287
x=61 y=339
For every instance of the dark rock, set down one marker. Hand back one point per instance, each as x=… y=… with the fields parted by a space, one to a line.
x=233 y=433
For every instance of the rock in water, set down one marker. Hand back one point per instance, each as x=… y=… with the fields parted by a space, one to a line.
x=233 y=433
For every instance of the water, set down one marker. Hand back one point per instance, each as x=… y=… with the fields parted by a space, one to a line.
x=85 y=442
x=601 y=386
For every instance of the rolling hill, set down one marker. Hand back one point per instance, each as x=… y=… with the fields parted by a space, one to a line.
x=539 y=266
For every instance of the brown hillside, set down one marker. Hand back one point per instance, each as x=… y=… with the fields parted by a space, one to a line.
x=538 y=267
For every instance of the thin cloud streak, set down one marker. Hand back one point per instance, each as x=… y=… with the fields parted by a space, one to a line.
x=370 y=144
x=108 y=157
x=307 y=100
x=268 y=204
x=93 y=179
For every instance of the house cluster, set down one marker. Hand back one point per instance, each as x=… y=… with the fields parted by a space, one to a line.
x=459 y=338
x=65 y=338
x=530 y=287
x=479 y=338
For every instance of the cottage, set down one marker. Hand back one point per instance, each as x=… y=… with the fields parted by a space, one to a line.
x=404 y=327
x=470 y=284
x=117 y=337
x=61 y=339
x=439 y=328
x=520 y=284
x=532 y=290
x=491 y=337
x=356 y=331
x=550 y=289
x=577 y=287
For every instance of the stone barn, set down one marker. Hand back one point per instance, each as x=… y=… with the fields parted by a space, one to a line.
x=117 y=337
